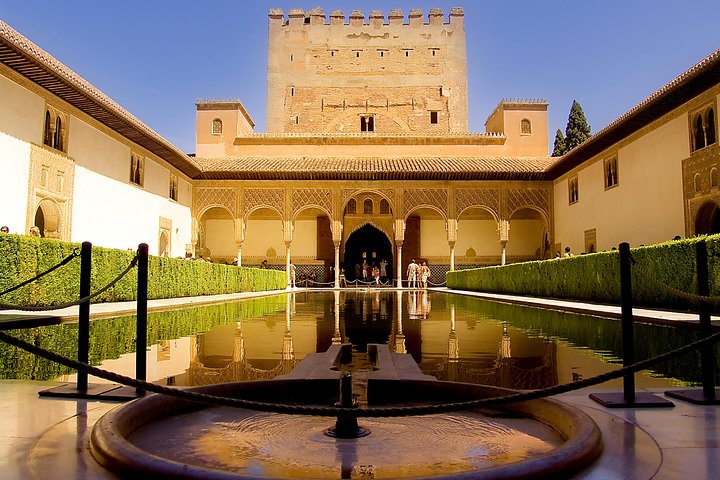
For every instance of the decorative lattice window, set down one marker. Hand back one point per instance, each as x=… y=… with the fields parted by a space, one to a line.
x=697 y=183
x=714 y=178
x=352 y=206
x=384 y=206
x=217 y=126
x=368 y=206
x=525 y=127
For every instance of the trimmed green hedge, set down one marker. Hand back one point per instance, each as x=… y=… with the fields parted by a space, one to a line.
x=596 y=277
x=23 y=257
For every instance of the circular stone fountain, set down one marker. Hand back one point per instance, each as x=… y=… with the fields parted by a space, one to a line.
x=163 y=437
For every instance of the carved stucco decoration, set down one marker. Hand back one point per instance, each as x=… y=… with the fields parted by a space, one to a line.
x=207 y=197
x=430 y=197
x=264 y=197
x=388 y=193
x=321 y=197
x=488 y=198
x=539 y=198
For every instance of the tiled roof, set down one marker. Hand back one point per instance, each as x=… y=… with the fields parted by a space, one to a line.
x=374 y=168
x=29 y=60
x=689 y=84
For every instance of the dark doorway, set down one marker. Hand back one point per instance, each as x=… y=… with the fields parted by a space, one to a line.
x=40 y=221
x=707 y=220
x=367 y=240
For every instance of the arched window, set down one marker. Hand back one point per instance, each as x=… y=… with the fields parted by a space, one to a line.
x=48 y=137
x=57 y=137
x=710 y=127
x=525 y=126
x=351 y=206
x=384 y=206
x=698 y=131
x=713 y=177
x=697 y=183
x=368 y=206
x=217 y=126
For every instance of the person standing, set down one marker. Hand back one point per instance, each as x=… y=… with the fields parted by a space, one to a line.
x=383 y=269
x=412 y=271
x=424 y=273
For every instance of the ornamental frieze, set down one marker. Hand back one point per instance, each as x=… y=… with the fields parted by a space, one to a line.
x=264 y=197
x=206 y=197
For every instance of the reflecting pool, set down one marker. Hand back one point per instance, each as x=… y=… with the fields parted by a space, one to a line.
x=452 y=337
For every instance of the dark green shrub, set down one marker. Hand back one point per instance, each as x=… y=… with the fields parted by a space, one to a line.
x=23 y=257
x=595 y=277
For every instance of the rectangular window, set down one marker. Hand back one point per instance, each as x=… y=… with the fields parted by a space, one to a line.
x=434 y=51
x=433 y=118
x=137 y=170
x=407 y=52
x=573 y=193
x=367 y=123
x=173 y=187
x=611 y=172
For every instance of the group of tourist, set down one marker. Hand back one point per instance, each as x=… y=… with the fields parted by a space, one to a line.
x=418 y=274
x=372 y=272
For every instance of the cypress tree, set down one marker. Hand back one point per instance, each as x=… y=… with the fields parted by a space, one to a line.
x=577 y=130
x=559 y=147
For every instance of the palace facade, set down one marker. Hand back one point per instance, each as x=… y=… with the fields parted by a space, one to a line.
x=367 y=158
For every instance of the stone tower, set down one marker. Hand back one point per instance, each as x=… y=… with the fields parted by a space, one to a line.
x=368 y=75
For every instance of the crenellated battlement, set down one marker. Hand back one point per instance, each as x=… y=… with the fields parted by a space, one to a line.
x=298 y=18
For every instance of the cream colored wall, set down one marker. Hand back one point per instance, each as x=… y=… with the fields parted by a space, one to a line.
x=208 y=144
x=304 y=239
x=15 y=165
x=220 y=238
x=525 y=237
x=22 y=113
x=480 y=235
x=647 y=204
x=260 y=236
x=433 y=238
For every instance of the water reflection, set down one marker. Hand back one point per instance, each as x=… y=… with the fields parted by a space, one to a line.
x=451 y=337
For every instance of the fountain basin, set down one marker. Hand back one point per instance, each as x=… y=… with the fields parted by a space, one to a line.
x=160 y=436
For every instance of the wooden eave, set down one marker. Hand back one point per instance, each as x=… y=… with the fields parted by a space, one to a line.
x=22 y=56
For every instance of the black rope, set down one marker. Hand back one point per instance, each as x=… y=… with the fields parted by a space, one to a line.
x=75 y=253
x=355 y=412
x=7 y=306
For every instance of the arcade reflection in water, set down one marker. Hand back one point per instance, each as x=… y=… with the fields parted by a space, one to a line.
x=451 y=337
x=447 y=343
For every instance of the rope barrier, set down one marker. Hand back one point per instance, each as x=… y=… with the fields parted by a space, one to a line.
x=75 y=253
x=355 y=412
x=714 y=301
x=7 y=306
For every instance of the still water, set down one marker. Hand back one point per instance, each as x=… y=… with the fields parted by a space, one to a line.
x=452 y=337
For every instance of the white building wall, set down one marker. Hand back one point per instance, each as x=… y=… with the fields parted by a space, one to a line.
x=114 y=214
x=15 y=165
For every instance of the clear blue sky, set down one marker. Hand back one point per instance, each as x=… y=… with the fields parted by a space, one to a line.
x=155 y=58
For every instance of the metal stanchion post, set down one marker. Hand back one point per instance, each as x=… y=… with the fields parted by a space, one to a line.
x=709 y=395
x=84 y=313
x=628 y=398
x=142 y=295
